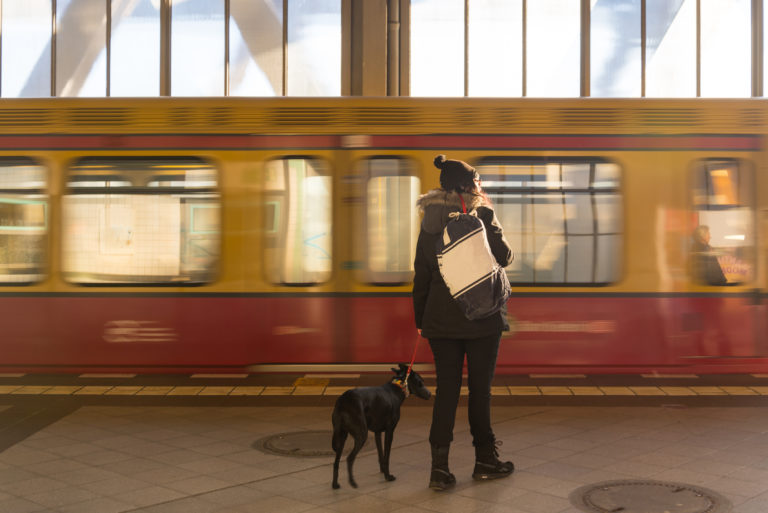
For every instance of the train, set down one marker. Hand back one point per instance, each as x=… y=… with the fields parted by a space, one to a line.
x=241 y=235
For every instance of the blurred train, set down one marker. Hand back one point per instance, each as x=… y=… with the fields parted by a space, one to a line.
x=237 y=235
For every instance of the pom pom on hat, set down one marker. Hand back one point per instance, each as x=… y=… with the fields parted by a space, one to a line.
x=454 y=174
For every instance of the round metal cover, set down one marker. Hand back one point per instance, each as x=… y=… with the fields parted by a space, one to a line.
x=303 y=444
x=646 y=496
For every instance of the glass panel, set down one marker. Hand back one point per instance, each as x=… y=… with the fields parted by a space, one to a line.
x=495 y=48
x=81 y=37
x=576 y=176
x=256 y=48
x=437 y=48
x=392 y=220
x=615 y=50
x=606 y=175
x=197 y=48
x=313 y=54
x=670 y=48
x=579 y=258
x=135 y=51
x=553 y=48
x=722 y=240
x=608 y=265
x=726 y=49
x=548 y=229
x=161 y=225
x=26 y=48
x=608 y=213
x=298 y=195
x=23 y=222
x=578 y=214
x=563 y=231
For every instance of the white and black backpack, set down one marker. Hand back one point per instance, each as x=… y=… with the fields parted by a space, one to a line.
x=474 y=278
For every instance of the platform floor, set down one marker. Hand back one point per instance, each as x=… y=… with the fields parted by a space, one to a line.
x=163 y=453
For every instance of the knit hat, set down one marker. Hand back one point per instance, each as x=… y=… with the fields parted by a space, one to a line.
x=455 y=174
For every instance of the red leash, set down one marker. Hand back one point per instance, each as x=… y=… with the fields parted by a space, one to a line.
x=413 y=359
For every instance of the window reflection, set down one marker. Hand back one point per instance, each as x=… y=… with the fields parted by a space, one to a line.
x=563 y=218
x=26 y=48
x=197 y=48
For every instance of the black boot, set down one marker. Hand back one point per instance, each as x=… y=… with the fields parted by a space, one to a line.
x=487 y=464
x=441 y=478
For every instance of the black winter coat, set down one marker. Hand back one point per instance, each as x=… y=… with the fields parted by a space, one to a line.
x=436 y=313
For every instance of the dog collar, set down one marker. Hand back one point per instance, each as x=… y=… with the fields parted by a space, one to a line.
x=402 y=384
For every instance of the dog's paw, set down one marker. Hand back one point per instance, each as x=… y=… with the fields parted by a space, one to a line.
x=353 y=484
x=335 y=486
x=389 y=477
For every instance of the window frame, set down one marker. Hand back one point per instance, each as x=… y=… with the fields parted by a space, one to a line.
x=212 y=274
x=272 y=234
x=43 y=192
x=411 y=169
x=748 y=186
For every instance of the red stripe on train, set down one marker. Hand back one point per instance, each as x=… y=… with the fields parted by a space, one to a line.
x=561 y=334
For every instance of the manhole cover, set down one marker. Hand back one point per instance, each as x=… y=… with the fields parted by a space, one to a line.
x=627 y=496
x=303 y=444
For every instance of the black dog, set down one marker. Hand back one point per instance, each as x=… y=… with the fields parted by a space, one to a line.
x=376 y=409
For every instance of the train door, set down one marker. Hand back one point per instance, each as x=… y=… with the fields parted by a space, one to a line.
x=385 y=187
x=722 y=256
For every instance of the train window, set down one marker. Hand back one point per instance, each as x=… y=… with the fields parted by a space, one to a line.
x=298 y=194
x=141 y=221
x=563 y=218
x=23 y=221
x=722 y=238
x=391 y=219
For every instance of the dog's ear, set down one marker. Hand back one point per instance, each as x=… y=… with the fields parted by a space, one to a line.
x=403 y=366
x=394 y=370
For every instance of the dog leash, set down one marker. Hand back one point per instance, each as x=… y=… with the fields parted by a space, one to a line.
x=413 y=359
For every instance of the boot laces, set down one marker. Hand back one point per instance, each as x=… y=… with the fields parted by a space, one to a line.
x=496 y=445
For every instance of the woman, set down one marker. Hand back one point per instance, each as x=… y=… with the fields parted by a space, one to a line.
x=451 y=335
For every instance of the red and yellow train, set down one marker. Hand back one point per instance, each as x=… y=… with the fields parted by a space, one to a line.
x=227 y=235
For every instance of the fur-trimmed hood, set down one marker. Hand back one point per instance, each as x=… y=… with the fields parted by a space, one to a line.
x=438 y=203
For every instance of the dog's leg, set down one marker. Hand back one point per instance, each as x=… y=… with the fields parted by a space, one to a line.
x=339 y=438
x=360 y=438
x=388 y=436
x=380 y=451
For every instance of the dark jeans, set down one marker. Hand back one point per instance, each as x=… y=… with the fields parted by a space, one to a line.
x=481 y=365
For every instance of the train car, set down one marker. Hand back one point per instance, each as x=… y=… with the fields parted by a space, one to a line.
x=252 y=234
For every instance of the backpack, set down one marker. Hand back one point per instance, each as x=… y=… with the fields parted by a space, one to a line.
x=474 y=278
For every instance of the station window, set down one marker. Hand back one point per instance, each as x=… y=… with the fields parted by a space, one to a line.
x=23 y=221
x=141 y=221
x=391 y=219
x=722 y=237
x=298 y=201
x=562 y=217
